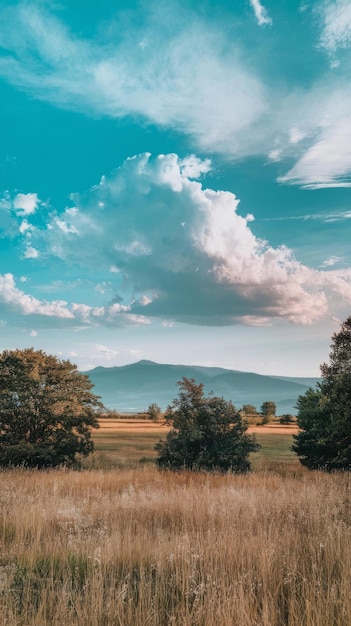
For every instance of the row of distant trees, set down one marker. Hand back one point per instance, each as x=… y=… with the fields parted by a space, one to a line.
x=47 y=411
x=267 y=412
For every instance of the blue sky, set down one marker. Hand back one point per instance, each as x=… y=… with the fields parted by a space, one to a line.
x=175 y=181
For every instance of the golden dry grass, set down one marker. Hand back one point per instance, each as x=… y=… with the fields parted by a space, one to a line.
x=111 y=425
x=130 y=425
x=146 y=548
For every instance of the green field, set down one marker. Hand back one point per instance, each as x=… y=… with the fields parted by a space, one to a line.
x=122 y=449
x=134 y=449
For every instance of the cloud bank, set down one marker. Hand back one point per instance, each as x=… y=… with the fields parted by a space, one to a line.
x=14 y=301
x=176 y=251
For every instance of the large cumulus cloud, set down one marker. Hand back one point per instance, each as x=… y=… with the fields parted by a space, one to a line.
x=176 y=250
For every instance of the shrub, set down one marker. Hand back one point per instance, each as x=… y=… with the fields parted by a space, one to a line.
x=208 y=433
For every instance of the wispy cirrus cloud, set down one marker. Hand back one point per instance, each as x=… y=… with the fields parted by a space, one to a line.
x=181 y=252
x=181 y=74
x=189 y=75
x=326 y=217
x=327 y=162
x=262 y=16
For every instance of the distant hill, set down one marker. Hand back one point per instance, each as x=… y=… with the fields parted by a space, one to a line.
x=134 y=387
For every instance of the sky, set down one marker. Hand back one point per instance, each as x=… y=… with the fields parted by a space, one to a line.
x=175 y=181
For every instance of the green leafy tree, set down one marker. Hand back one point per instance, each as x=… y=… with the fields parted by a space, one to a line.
x=207 y=433
x=324 y=414
x=47 y=410
x=268 y=411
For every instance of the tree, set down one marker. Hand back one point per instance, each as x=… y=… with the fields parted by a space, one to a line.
x=286 y=418
x=249 y=409
x=47 y=410
x=268 y=410
x=207 y=433
x=154 y=412
x=324 y=414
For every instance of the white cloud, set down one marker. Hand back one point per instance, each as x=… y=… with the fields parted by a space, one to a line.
x=108 y=353
x=261 y=13
x=192 y=167
x=275 y=155
x=183 y=253
x=296 y=135
x=336 y=25
x=24 y=226
x=326 y=217
x=15 y=300
x=26 y=203
x=58 y=312
x=89 y=355
x=187 y=77
x=327 y=163
x=330 y=261
x=30 y=252
x=33 y=333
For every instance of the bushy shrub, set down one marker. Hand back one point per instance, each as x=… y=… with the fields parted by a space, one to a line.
x=207 y=433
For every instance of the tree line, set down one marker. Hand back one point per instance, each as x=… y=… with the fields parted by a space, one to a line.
x=48 y=410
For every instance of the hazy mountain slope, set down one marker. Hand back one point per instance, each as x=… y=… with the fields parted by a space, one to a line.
x=309 y=382
x=133 y=387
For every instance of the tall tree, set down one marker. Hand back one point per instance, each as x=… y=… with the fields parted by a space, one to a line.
x=324 y=415
x=47 y=410
x=268 y=410
x=207 y=433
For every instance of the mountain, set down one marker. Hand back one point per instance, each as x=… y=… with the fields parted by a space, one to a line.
x=134 y=387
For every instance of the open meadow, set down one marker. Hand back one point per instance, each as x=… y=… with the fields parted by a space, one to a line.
x=139 y=547
x=129 y=443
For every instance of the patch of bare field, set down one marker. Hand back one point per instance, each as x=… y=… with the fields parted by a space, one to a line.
x=149 y=548
x=132 y=425
x=274 y=429
x=142 y=425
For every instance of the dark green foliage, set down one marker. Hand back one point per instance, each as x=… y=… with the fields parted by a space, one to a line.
x=207 y=433
x=286 y=418
x=312 y=444
x=324 y=415
x=47 y=410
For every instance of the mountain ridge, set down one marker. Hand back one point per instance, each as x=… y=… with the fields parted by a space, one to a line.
x=133 y=387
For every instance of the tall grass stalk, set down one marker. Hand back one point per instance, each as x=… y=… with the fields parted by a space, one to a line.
x=144 y=548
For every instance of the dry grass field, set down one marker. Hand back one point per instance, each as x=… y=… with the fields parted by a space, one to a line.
x=146 y=548
x=138 y=547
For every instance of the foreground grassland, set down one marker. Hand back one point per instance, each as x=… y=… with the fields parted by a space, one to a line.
x=145 y=548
